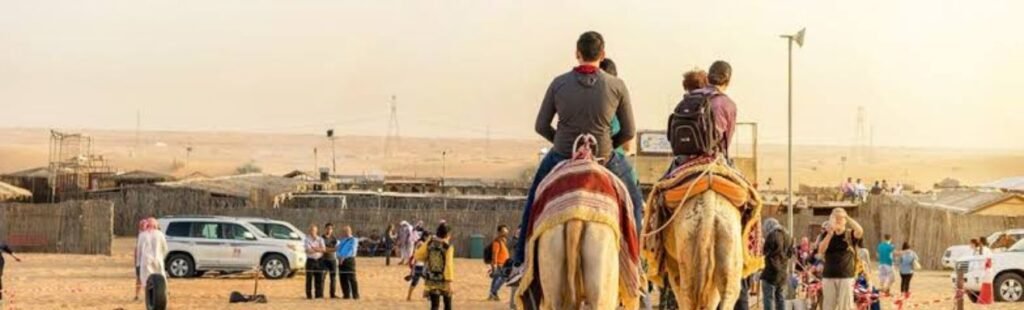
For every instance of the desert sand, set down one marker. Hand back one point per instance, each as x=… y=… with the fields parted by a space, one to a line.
x=51 y=281
x=48 y=281
x=220 y=153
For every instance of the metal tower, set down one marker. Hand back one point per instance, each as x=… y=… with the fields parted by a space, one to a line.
x=393 y=138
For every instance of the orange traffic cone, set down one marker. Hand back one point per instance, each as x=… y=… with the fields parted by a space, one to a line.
x=986 y=297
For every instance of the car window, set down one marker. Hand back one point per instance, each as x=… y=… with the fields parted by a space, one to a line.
x=1018 y=247
x=206 y=230
x=178 y=229
x=278 y=231
x=261 y=226
x=234 y=231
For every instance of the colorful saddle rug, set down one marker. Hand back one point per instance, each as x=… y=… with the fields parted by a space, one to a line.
x=691 y=180
x=582 y=189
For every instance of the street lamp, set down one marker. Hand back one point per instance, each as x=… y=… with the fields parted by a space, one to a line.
x=444 y=173
x=334 y=159
x=799 y=39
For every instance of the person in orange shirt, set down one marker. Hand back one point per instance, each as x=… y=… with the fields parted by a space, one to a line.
x=497 y=270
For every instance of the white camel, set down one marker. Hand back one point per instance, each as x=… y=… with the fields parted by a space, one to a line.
x=707 y=244
x=697 y=239
x=581 y=252
x=580 y=263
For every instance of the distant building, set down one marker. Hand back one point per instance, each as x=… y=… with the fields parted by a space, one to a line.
x=1012 y=184
x=13 y=193
x=35 y=180
x=974 y=202
x=137 y=177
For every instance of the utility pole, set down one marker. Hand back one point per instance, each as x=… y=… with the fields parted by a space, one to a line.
x=334 y=159
x=444 y=174
x=799 y=39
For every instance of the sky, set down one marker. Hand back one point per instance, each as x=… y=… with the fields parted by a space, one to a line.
x=927 y=73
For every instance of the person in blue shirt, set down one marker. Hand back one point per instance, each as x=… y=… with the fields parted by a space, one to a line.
x=885 y=275
x=347 y=248
x=908 y=260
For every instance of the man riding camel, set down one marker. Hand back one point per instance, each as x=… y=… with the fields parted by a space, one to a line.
x=585 y=99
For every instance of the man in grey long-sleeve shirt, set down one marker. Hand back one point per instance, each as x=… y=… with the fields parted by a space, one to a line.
x=585 y=101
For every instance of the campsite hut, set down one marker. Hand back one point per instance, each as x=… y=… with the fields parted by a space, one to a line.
x=35 y=180
x=136 y=177
x=13 y=193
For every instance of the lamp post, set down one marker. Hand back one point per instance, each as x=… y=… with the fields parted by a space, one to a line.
x=799 y=39
x=444 y=174
x=334 y=159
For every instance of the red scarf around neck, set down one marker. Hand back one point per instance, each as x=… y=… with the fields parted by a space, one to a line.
x=585 y=69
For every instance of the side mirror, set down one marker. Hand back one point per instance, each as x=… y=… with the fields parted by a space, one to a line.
x=248 y=236
x=294 y=236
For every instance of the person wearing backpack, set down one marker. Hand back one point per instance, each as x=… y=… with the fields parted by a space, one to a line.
x=438 y=256
x=840 y=260
x=703 y=123
x=778 y=249
x=495 y=257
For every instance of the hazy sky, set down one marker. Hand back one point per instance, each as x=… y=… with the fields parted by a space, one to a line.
x=928 y=73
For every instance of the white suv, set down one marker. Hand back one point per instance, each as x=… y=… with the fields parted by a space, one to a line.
x=957 y=251
x=1007 y=276
x=197 y=244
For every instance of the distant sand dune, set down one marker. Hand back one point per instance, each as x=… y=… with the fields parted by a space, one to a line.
x=218 y=153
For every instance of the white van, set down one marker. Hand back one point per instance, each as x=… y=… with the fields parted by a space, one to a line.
x=197 y=244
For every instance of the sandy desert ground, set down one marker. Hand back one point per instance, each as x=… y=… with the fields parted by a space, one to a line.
x=47 y=281
x=219 y=153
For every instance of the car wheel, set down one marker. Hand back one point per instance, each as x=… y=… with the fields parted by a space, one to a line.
x=275 y=267
x=1010 y=287
x=180 y=266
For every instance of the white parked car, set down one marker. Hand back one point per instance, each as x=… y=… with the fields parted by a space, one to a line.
x=197 y=244
x=276 y=229
x=1006 y=276
x=957 y=251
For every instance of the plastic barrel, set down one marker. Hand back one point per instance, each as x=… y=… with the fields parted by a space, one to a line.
x=476 y=246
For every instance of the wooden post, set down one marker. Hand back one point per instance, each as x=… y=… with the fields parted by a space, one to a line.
x=959 y=288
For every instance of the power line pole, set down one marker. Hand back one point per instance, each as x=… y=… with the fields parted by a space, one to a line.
x=138 y=127
x=334 y=158
x=393 y=136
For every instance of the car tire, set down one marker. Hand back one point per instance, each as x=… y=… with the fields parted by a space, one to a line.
x=180 y=266
x=156 y=292
x=275 y=266
x=1009 y=287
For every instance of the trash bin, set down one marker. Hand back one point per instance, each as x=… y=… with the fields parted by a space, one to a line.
x=476 y=246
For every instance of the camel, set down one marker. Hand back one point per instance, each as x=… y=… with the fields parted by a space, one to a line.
x=584 y=249
x=581 y=266
x=698 y=240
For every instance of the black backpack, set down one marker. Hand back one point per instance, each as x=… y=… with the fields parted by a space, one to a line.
x=489 y=254
x=691 y=127
x=437 y=253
